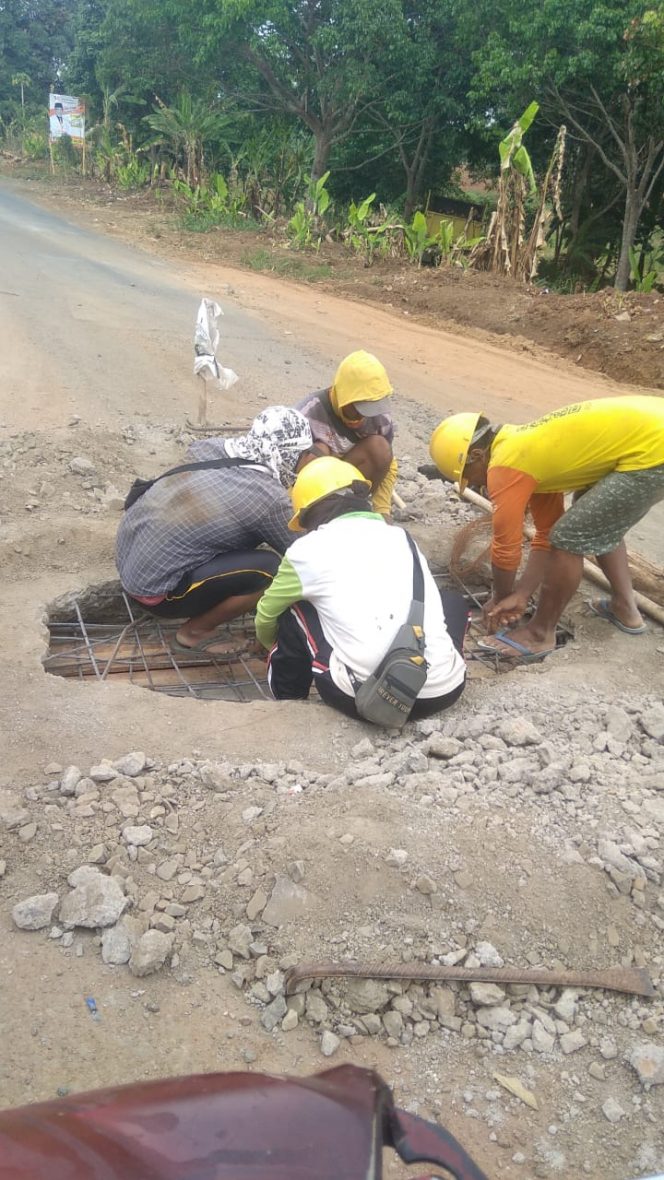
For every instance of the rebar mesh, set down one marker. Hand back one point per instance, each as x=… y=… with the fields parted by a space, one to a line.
x=140 y=650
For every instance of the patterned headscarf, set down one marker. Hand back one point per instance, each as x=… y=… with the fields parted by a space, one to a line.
x=276 y=440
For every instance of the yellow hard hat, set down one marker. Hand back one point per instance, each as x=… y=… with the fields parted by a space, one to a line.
x=362 y=380
x=319 y=479
x=450 y=443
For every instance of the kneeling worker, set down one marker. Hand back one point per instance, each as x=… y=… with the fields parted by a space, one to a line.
x=611 y=453
x=352 y=420
x=188 y=547
x=343 y=591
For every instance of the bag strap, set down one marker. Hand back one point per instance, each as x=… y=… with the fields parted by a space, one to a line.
x=415 y=617
x=416 y=612
x=202 y=465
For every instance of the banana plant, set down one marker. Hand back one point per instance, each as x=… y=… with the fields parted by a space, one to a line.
x=511 y=150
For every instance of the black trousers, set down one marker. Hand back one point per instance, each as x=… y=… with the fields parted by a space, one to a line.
x=246 y=571
x=302 y=652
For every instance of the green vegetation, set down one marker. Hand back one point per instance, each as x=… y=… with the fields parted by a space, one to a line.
x=345 y=123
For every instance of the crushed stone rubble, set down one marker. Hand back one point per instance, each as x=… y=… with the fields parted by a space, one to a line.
x=134 y=861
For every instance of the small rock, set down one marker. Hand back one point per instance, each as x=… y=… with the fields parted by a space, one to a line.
x=139 y=836
x=3 y=867
x=567 y=1005
x=290 y=1021
x=239 y=941
x=612 y=1110
x=288 y=902
x=648 y=1061
x=79 y=465
x=163 y=922
x=496 y=1019
x=571 y=1042
x=486 y=994
x=35 y=912
x=608 y=1048
x=393 y=1024
x=543 y=1041
x=597 y=1071
x=98 y=901
x=329 y=1043
x=27 y=832
x=116 y=945
x=653 y=722
x=316 y=1009
x=132 y=764
x=70 y=780
x=98 y=855
x=256 y=904
x=443 y=747
x=488 y=955
x=274 y=1013
x=224 y=958
x=251 y=813
x=193 y=893
x=150 y=952
x=396 y=858
x=519 y=731
x=425 y=885
x=296 y=871
x=168 y=868
x=366 y=995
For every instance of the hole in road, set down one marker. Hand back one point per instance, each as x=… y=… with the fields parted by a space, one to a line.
x=99 y=635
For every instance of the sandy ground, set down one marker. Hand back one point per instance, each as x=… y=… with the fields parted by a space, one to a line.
x=96 y=362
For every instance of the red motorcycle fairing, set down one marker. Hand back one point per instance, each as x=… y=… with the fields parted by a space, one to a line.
x=243 y=1126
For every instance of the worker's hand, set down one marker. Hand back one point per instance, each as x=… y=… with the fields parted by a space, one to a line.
x=508 y=610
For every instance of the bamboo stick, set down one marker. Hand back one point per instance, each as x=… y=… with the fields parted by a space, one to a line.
x=590 y=571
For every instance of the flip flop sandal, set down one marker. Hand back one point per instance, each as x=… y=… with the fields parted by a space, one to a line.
x=521 y=653
x=602 y=609
x=203 y=648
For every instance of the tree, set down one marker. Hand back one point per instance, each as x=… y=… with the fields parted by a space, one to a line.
x=21 y=79
x=34 y=42
x=184 y=128
x=318 y=61
x=597 y=65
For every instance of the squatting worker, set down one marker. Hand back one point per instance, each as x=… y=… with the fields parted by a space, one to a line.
x=611 y=453
x=187 y=549
x=351 y=420
x=341 y=593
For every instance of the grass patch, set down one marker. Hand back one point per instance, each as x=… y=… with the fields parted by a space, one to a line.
x=202 y=221
x=288 y=266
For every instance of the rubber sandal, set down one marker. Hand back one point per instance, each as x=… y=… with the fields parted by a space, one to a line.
x=602 y=609
x=203 y=648
x=522 y=653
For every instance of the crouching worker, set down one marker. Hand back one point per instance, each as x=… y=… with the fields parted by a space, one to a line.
x=188 y=547
x=342 y=593
x=351 y=420
x=610 y=452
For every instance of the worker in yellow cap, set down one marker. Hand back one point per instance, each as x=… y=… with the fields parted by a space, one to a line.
x=343 y=591
x=610 y=452
x=351 y=420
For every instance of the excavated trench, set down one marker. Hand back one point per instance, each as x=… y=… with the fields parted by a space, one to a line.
x=99 y=634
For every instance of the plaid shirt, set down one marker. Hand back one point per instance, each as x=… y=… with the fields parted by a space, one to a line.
x=186 y=520
x=327 y=427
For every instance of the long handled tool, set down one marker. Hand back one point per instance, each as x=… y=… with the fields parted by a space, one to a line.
x=632 y=980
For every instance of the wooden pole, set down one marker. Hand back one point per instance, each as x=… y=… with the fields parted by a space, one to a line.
x=591 y=571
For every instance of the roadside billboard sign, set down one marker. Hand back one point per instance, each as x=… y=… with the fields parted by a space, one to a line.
x=66 y=115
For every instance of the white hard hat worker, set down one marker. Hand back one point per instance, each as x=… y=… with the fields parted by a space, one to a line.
x=452 y=442
x=319 y=479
